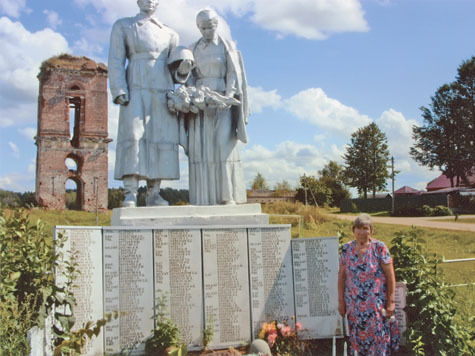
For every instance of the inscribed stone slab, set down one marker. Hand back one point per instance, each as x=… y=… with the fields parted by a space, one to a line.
x=178 y=277
x=226 y=285
x=315 y=265
x=399 y=312
x=128 y=282
x=270 y=271
x=84 y=247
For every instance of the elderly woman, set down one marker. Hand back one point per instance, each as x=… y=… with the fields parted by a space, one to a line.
x=216 y=175
x=366 y=292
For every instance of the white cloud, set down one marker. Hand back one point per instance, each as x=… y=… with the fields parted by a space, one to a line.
x=288 y=161
x=314 y=106
x=14 y=148
x=20 y=59
x=18 y=182
x=28 y=132
x=52 y=18
x=13 y=8
x=311 y=19
x=260 y=99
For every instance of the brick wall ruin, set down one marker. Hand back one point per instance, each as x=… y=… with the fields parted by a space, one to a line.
x=72 y=129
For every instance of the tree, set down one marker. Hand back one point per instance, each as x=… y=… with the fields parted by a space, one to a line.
x=332 y=176
x=282 y=187
x=366 y=160
x=259 y=183
x=312 y=191
x=446 y=140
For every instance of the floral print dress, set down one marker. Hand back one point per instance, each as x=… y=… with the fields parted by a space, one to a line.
x=371 y=334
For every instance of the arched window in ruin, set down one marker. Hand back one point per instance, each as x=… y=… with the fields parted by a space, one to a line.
x=73 y=194
x=74 y=119
x=71 y=164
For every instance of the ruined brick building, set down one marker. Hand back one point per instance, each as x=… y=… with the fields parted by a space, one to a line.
x=72 y=134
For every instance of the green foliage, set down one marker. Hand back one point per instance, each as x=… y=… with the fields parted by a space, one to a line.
x=10 y=199
x=426 y=210
x=115 y=198
x=166 y=335
x=259 y=183
x=208 y=333
x=431 y=310
x=313 y=191
x=366 y=160
x=446 y=139
x=74 y=343
x=27 y=283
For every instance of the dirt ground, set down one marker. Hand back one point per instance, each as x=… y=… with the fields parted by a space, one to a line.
x=431 y=222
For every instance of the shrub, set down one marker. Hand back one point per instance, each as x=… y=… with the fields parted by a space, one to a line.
x=432 y=328
x=441 y=210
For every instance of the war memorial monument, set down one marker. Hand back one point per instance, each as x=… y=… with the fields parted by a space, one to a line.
x=218 y=261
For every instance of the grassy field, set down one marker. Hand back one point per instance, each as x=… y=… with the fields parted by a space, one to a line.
x=315 y=222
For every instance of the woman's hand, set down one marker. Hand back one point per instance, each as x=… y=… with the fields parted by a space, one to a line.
x=390 y=307
x=341 y=307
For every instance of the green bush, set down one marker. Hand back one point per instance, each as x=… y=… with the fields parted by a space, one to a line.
x=26 y=279
x=432 y=327
x=441 y=210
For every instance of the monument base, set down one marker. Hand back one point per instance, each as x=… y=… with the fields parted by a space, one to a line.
x=190 y=215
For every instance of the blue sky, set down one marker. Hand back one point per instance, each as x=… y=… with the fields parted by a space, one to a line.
x=317 y=69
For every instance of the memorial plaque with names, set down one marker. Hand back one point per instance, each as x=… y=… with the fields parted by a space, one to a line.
x=84 y=247
x=270 y=273
x=315 y=266
x=226 y=285
x=400 y=299
x=178 y=278
x=128 y=288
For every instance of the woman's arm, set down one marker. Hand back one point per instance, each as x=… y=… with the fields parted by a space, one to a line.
x=341 y=290
x=391 y=288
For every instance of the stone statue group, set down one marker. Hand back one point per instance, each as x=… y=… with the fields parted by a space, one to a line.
x=169 y=95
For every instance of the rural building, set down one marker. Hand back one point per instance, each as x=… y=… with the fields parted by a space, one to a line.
x=270 y=196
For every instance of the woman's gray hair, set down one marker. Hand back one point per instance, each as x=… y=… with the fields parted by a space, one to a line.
x=206 y=15
x=363 y=219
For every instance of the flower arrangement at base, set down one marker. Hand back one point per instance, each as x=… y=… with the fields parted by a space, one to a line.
x=282 y=338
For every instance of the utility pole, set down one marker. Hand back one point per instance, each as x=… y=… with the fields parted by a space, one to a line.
x=392 y=179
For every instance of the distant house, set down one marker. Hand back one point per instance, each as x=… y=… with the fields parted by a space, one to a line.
x=443 y=182
x=406 y=190
x=269 y=196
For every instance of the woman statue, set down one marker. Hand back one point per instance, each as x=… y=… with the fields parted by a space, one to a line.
x=215 y=170
x=366 y=292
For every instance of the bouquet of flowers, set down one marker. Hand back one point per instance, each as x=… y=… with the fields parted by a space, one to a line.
x=282 y=338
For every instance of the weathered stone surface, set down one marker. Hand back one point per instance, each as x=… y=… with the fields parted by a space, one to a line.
x=72 y=82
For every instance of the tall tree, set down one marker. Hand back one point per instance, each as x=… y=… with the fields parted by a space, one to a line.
x=259 y=183
x=312 y=191
x=282 y=187
x=447 y=137
x=366 y=160
x=332 y=176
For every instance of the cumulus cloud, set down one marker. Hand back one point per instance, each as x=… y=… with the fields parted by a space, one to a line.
x=311 y=19
x=20 y=59
x=314 y=106
x=260 y=99
x=13 y=8
x=52 y=18
x=288 y=161
x=18 y=182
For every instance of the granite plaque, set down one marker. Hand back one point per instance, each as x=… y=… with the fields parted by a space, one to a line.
x=226 y=285
x=178 y=278
x=270 y=273
x=84 y=248
x=128 y=288
x=399 y=311
x=315 y=266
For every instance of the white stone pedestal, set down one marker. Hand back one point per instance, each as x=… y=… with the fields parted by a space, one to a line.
x=190 y=215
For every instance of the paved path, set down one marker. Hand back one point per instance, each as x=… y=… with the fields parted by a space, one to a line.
x=420 y=221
